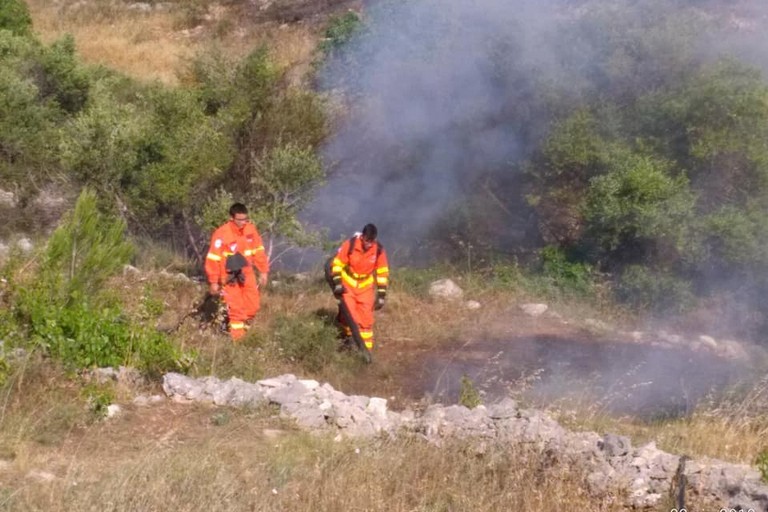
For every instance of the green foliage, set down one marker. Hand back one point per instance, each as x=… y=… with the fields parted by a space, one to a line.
x=63 y=78
x=762 y=464
x=339 y=31
x=5 y=369
x=83 y=252
x=566 y=275
x=306 y=340
x=99 y=146
x=469 y=396
x=736 y=239
x=234 y=91
x=215 y=210
x=14 y=16
x=506 y=274
x=62 y=307
x=99 y=398
x=179 y=156
x=282 y=181
x=220 y=419
x=638 y=200
x=155 y=156
x=660 y=291
x=294 y=117
x=725 y=112
x=575 y=146
x=28 y=126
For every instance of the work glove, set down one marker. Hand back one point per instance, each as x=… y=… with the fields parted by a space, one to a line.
x=338 y=291
x=379 y=303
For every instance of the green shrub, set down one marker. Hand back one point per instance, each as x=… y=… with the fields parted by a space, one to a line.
x=762 y=464
x=83 y=252
x=282 y=181
x=82 y=336
x=469 y=396
x=63 y=78
x=62 y=306
x=566 y=275
x=99 y=398
x=641 y=202
x=14 y=16
x=339 y=31
x=306 y=340
x=649 y=289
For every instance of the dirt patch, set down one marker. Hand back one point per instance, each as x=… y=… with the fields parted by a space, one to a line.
x=291 y=11
x=547 y=361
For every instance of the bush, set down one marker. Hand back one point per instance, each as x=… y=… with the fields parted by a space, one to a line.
x=63 y=78
x=14 y=16
x=566 y=275
x=762 y=464
x=340 y=30
x=62 y=307
x=468 y=394
x=307 y=340
x=659 y=291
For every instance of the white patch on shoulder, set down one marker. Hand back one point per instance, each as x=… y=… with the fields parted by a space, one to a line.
x=217 y=243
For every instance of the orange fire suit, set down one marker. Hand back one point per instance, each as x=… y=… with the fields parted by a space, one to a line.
x=364 y=276
x=242 y=298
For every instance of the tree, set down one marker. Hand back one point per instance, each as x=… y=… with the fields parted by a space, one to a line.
x=638 y=209
x=283 y=179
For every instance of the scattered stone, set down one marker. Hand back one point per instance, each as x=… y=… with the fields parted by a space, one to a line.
x=7 y=198
x=534 y=310
x=472 y=304
x=41 y=476
x=144 y=400
x=25 y=245
x=643 y=476
x=731 y=349
x=597 y=325
x=708 y=341
x=302 y=277
x=445 y=289
x=104 y=375
x=140 y=6
x=272 y=433
x=113 y=410
x=130 y=270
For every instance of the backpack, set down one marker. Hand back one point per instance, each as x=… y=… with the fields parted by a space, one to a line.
x=329 y=261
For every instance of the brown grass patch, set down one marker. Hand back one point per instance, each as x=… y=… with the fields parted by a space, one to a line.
x=186 y=457
x=156 y=45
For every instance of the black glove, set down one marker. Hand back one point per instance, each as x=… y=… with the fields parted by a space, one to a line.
x=338 y=291
x=379 y=303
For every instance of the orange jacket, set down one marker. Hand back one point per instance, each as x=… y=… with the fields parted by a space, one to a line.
x=228 y=240
x=359 y=269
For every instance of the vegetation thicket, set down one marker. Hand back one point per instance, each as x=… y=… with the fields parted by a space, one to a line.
x=652 y=173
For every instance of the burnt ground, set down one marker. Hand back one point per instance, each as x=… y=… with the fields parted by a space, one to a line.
x=550 y=362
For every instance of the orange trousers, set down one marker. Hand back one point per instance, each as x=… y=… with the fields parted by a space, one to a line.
x=243 y=302
x=360 y=305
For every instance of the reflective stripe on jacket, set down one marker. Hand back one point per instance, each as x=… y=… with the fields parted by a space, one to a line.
x=359 y=269
x=227 y=240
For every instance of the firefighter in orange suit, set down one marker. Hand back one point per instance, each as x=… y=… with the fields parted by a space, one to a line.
x=236 y=247
x=360 y=275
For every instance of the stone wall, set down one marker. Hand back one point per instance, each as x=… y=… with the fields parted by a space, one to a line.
x=644 y=476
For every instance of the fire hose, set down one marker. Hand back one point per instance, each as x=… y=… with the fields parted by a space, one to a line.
x=347 y=316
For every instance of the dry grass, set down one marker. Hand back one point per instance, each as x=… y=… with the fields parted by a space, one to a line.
x=211 y=460
x=195 y=457
x=158 y=44
x=733 y=428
